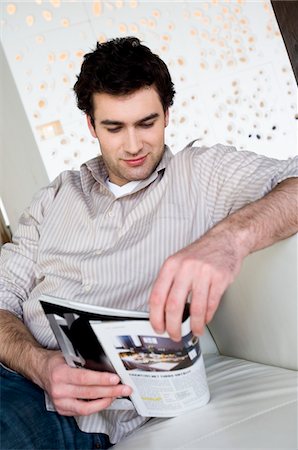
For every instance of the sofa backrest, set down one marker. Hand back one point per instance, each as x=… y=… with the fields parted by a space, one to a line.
x=257 y=316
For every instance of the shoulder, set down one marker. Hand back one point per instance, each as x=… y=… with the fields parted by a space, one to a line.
x=198 y=156
x=45 y=197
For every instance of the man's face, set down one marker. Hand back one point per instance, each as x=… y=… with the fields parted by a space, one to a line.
x=130 y=130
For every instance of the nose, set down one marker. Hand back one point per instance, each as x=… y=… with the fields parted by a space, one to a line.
x=133 y=143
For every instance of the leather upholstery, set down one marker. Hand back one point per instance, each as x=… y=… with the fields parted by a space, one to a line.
x=253 y=378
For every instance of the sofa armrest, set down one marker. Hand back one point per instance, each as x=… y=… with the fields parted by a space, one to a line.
x=257 y=317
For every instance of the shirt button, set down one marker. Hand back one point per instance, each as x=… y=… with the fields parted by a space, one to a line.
x=98 y=251
x=87 y=287
x=110 y=213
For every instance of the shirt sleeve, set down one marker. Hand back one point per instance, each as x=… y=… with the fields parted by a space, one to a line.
x=17 y=259
x=230 y=179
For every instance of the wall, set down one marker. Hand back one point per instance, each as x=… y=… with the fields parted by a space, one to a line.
x=21 y=170
x=233 y=78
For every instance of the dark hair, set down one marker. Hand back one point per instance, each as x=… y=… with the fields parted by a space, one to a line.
x=121 y=66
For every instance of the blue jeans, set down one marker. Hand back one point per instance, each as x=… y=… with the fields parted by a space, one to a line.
x=27 y=425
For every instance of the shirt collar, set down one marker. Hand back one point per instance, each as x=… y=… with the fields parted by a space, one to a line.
x=95 y=170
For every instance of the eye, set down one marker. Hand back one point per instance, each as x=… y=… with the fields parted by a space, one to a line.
x=114 y=130
x=147 y=125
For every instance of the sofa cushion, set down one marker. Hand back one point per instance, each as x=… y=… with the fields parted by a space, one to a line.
x=252 y=406
x=257 y=317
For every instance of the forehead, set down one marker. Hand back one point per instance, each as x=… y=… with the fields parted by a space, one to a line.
x=125 y=108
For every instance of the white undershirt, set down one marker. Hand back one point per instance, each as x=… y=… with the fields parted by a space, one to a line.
x=119 y=191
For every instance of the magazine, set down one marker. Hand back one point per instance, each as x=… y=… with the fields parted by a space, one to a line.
x=167 y=377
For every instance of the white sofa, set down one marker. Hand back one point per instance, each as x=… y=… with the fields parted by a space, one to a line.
x=250 y=353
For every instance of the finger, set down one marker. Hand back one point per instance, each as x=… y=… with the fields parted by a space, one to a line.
x=174 y=307
x=84 y=377
x=75 y=407
x=198 y=306
x=215 y=293
x=90 y=392
x=159 y=294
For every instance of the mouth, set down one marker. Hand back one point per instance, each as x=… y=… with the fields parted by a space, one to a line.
x=135 y=162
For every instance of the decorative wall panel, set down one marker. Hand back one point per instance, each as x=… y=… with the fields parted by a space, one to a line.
x=227 y=58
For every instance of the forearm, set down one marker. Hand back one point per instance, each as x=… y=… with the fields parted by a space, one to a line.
x=209 y=265
x=19 y=350
x=264 y=222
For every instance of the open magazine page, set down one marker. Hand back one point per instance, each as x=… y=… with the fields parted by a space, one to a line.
x=77 y=341
x=167 y=377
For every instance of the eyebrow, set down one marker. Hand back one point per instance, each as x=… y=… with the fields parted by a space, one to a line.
x=116 y=122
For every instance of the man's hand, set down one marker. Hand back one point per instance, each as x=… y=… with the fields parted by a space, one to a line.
x=203 y=270
x=79 y=391
x=207 y=267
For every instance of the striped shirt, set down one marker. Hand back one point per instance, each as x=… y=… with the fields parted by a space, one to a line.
x=77 y=240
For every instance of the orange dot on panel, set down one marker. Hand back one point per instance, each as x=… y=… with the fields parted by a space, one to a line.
x=63 y=56
x=96 y=8
x=79 y=53
x=11 y=9
x=55 y=3
x=166 y=37
x=65 y=23
x=19 y=57
x=102 y=38
x=181 y=61
x=231 y=62
x=133 y=3
x=29 y=21
x=193 y=32
x=156 y=13
x=243 y=21
x=39 y=39
x=122 y=28
x=119 y=3
x=198 y=13
x=133 y=28
x=43 y=86
x=151 y=23
x=38 y=2
x=51 y=57
x=171 y=27
x=41 y=103
x=65 y=79
x=217 y=65
x=47 y=15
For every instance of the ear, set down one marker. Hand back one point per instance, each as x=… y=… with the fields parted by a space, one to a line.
x=90 y=126
x=167 y=115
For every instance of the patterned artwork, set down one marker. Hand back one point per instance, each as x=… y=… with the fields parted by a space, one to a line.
x=227 y=58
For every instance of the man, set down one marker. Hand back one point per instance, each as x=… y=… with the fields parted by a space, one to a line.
x=136 y=228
